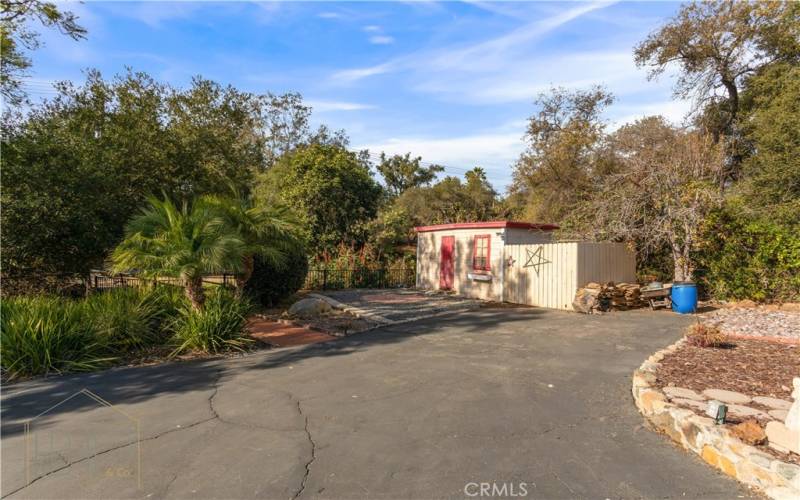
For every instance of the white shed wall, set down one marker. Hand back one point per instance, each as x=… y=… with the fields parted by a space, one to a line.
x=428 y=258
x=526 y=266
x=603 y=262
x=541 y=275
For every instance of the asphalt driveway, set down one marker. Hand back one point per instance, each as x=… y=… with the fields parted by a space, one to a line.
x=508 y=397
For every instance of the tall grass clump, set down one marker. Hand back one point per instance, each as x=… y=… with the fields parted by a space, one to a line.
x=132 y=319
x=169 y=300
x=218 y=326
x=127 y=318
x=41 y=335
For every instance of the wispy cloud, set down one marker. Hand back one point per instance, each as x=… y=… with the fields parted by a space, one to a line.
x=322 y=106
x=471 y=58
x=522 y=79
x=381 y=40
x=517 y=38
x=499 y=8
x=493 y=151
x=378 y=36
x=330 y=15
x=352 y=75
x=155 y=14
x=674 y=110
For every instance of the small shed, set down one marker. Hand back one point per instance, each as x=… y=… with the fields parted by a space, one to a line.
x=516 y=262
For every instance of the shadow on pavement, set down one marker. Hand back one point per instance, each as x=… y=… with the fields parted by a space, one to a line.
x=25 y=400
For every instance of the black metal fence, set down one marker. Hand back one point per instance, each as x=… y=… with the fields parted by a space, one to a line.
x=101 y=282
x=77 y=285
x=328 y=279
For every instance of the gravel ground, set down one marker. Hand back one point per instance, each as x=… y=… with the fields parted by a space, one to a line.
x=757 y=322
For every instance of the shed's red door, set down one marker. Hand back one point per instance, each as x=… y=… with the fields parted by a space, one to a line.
x=446 y=263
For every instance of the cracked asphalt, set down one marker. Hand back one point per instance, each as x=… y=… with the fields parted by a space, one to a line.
x=420 y=410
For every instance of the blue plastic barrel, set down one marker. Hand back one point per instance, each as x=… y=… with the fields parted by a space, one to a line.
x=684 y=297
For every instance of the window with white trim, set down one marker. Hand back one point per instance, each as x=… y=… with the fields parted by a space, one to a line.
x=481 y=252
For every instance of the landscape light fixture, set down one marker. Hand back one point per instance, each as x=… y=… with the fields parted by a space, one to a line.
x=717 y=410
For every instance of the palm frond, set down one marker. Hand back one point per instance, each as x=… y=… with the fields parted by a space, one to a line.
x=185 y=242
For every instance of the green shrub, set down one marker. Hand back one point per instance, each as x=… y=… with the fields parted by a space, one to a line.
x=219 y=326
x=269 y=284
x=124 y=317
x=746 y=257
x=167 y=301
x=40 y=335
x=134 y=318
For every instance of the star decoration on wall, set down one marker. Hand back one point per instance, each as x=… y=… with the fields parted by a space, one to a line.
x=535 y=259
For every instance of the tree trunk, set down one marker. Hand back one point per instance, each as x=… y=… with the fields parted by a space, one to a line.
x=682 y=264
x=733 y=164
x=248 y=264
x=195 y=293
x=733 y=99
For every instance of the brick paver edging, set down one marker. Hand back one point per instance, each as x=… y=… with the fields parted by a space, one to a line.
x=715 y=444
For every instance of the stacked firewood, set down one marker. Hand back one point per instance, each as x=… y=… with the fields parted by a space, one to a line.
x=609 y=296
x=625 y=295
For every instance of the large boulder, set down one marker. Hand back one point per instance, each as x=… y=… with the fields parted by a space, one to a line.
x=309 y=308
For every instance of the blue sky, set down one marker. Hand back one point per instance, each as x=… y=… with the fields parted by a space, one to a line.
x=452 y=82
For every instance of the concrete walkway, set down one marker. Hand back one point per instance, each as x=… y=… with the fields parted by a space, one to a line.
x=420 y=410
x=394 y=306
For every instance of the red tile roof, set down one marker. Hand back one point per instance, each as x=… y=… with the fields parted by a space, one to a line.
x=487 y=225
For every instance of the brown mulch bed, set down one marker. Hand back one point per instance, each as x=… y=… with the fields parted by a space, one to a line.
x=284 y=334
x=751 y=367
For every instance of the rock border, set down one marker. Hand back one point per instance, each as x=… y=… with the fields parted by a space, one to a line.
x=714 y=444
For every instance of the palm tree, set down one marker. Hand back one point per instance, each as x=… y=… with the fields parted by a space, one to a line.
x=270 y=232
x=183 y=242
